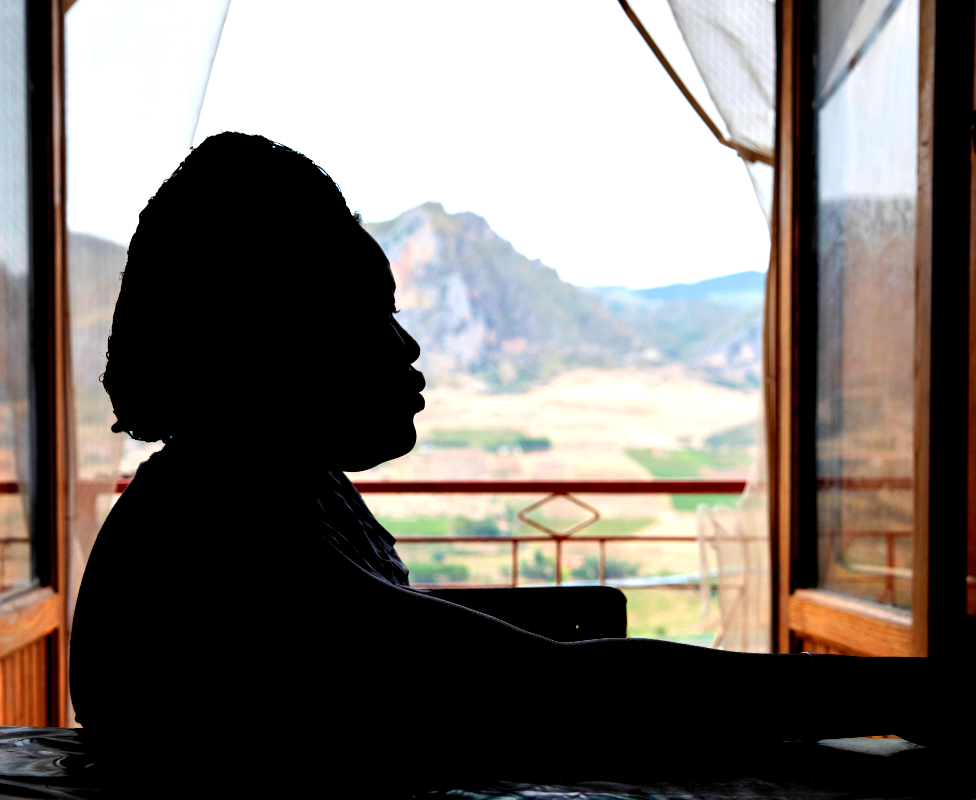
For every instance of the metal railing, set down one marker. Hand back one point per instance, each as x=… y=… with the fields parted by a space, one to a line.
x=552 y=490
x=842 y=540
x=568 y=489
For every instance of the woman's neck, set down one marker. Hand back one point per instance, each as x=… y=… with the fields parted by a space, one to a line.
x=255 y=459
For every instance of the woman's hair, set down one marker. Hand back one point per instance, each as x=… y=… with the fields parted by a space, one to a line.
x=237 y=255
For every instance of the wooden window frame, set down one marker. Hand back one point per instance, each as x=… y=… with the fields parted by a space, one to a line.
x=33 y=650
x=945 y=359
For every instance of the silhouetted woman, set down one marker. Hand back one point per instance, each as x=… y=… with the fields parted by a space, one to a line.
x=240 y=592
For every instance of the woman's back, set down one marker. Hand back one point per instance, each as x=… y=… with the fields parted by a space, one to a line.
x=178 y=587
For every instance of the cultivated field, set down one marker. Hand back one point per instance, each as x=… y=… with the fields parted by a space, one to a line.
x=590 y=415
x=591 y=419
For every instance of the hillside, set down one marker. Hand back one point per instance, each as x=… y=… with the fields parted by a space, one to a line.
x=718 y=336
x=94 y=267
x=478 y=307
x=742 y=288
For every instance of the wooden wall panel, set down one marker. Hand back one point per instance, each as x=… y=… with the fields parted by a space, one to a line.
x=24 y=687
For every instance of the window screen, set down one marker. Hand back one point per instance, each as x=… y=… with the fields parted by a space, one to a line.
x=866 y=119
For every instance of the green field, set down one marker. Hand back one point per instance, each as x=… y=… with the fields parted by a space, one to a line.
x=660 y=613
x=723 y=452
x=507 y=522
x=494 y=441
x=672 y=614
x=688 y=463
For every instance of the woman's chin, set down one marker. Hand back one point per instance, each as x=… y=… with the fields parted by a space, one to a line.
x=366 y=455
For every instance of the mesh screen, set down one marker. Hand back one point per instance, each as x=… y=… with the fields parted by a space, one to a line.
x=733 y=43
x=16 y=435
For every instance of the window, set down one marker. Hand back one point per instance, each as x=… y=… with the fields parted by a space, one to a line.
x=17 y=569
x=33 y=477
x=866 y=106
x=873 y=324
x=473 y=139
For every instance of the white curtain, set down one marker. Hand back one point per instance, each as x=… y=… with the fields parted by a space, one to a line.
x=136 y=77
x=733 y=44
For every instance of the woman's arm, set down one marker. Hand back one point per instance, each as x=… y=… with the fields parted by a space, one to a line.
x=473 y=673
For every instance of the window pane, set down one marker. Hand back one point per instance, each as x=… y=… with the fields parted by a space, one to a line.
x=16 y=569
x=866 y=127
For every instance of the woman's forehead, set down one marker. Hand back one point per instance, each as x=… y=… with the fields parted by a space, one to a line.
x=377 y=264
x=366 y=282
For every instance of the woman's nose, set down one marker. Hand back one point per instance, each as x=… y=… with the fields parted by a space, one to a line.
x=412 y=348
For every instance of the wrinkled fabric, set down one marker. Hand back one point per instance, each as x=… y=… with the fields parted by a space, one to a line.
x=348 y=524
x=64 y=763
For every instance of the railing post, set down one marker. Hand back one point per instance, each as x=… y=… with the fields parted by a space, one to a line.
x=559 y=561
x=603 y=561
x=515 y=544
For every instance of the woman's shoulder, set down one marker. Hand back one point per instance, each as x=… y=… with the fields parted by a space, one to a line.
x=169 y=507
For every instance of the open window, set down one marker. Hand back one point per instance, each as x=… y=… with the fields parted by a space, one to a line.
x=33 y=423
x=542 y=386
x=870 y=335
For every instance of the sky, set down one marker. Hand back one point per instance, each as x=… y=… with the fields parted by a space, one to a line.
x=549 y=118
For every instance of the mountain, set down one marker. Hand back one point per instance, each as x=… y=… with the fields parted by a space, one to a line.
x=94 y=267
x=744 y=289
x=718 y=335
x=477 y=306
x=480 y=309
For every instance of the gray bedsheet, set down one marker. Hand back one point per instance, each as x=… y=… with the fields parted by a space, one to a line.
x=59 y=763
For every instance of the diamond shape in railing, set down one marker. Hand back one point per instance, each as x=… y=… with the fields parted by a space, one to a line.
x=594 y=516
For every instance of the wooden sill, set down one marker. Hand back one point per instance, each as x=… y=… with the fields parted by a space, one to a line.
x=849 y=624
x=28 y=617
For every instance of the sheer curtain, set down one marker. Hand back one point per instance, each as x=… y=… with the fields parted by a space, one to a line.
x=733 y=44
x=136 y=78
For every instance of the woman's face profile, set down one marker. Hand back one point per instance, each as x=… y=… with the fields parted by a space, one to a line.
x=369 y=389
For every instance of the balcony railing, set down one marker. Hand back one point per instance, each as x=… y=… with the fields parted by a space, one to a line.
x=550 y=489
x=568 y=490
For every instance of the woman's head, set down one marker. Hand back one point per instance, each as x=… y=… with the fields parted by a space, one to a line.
x=254 y=305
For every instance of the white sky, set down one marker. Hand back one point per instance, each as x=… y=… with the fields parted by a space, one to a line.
x=550 y=118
